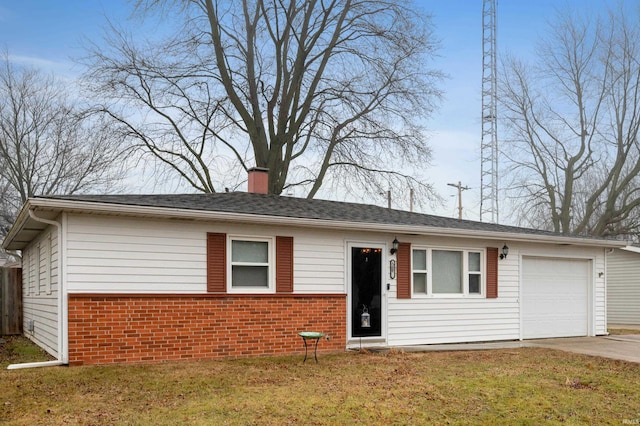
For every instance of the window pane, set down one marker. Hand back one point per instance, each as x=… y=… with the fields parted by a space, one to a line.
x=250 y=276
x=474 y=262
x=250 y=251
x=419 y=282
x=447 y=271
x=474 y=284
x=419 y=260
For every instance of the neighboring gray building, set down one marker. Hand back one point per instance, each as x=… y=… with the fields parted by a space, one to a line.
x=623 y=286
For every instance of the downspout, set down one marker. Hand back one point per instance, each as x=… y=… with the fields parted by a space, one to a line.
x=61 y=302
x=55 y=363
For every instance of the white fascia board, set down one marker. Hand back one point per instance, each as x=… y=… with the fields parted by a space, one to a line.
x=176 y=213
x=632 y=249
x=18 y=224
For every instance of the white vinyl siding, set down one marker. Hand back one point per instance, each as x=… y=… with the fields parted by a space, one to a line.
x=40 y=290
x=126 y=255
x=319 y=262
x=442 y=319
x=119 y=255
x=623 y=287
x=600 y=302
x=111 y=254
x=423 y=320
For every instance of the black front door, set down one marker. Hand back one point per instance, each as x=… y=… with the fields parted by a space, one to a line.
x=366 y=290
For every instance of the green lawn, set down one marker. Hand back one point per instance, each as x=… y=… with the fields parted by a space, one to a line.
x=515 y=386
x=18 y=349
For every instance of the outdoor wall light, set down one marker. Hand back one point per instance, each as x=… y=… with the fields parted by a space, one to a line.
x=365 y=318
x=505 y=252
x=395 y=243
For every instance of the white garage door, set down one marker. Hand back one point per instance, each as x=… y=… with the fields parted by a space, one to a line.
x=555 y=297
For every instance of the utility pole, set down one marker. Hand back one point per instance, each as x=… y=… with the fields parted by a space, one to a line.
x=460 y=189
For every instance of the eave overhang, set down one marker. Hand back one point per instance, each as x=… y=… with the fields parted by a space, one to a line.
x=26 y=228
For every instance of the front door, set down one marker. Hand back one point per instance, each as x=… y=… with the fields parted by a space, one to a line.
x=366 y=290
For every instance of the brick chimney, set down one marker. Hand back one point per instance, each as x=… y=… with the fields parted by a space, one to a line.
x=258 y=180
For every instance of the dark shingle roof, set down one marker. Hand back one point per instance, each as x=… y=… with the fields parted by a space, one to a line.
x=279 y=206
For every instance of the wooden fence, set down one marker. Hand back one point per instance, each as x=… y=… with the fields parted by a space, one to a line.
x=10 y=301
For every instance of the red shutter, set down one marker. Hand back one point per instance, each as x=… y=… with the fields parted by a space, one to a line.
x=404 y=271
x=216 y=263
x=492 y=272
x=284 y=264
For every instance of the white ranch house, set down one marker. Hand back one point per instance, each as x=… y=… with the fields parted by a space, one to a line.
x=142 y=278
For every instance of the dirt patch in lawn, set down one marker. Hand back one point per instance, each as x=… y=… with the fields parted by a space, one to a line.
x=620 y=331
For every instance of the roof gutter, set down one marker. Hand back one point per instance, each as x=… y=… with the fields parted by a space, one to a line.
x=177 y=213
x=18 y=224
x=62 y=303
x=632 y=249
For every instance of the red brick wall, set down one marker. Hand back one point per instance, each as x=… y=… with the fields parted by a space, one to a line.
x=120 y=328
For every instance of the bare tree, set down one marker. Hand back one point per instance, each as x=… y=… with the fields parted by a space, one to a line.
x=47 y=144
x=7 y=208
x=315 y=91
x=573 y=120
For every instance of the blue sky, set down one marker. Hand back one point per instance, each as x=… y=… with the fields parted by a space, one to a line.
x=49 y=34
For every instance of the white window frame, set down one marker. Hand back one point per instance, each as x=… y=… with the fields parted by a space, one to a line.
x=38 y=271
x=47 y=259
x=470 y=272
x=32 y=271
x=271 y=265
x=26 y=273
x=465 y=273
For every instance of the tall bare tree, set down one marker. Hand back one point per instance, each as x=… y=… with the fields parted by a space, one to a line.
x=315 y=91
x=573 y=119
x=47 y=144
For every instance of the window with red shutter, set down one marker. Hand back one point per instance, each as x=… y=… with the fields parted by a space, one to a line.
x=284 y=264
x=216 y=263
x=442 y=272
x=404 y=271
x=492 y=272
x=250 y=263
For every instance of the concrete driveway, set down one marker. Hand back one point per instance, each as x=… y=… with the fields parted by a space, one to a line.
x=623 y=347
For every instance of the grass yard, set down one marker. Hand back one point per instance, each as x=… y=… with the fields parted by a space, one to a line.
x=18 y=349
x=516 y=386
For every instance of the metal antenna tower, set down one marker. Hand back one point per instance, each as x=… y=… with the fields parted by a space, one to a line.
x=489 y=143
